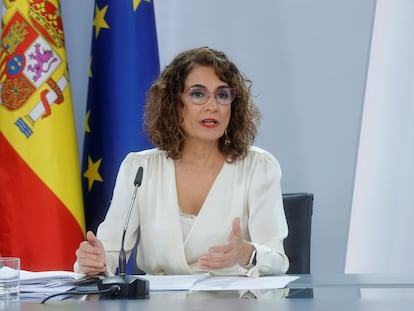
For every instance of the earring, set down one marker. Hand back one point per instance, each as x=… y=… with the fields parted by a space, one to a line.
x=226 y=138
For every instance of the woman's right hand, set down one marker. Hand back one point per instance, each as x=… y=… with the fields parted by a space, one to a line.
x=90 y=255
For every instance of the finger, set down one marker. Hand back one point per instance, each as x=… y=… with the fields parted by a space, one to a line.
x=94 y=255
x=90 y=261
x=89 y=271
x=219 y=257
x=90 y=264
x=208 y=264
x=89 y=257
x=214 y=262
x=225 y=248
x=87 y=247
x=93 y=247
x=94 y=242
x=91 y=238
x=235 y=229
x=236 y=222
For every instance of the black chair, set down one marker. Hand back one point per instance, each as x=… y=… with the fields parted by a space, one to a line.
x=298 y=209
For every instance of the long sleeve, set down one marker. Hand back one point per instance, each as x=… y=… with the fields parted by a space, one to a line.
x=267 y=225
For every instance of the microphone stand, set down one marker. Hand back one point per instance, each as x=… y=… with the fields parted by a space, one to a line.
x=130 y=286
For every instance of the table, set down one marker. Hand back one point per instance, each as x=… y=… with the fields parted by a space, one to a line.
x=355 y=292
x=354 y=280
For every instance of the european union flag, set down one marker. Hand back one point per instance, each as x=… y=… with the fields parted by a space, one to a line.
x=124 y=63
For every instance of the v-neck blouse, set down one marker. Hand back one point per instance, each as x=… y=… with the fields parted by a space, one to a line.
x=170 y=243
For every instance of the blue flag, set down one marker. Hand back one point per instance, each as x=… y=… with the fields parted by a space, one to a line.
x=124 y=63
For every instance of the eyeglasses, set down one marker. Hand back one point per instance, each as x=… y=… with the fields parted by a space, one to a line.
x=199 y=95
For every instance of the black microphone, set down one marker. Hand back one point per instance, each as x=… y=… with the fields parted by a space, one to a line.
x=130 y=286
x=122 y=255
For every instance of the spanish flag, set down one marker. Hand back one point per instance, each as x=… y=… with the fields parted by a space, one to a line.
x=41 y=207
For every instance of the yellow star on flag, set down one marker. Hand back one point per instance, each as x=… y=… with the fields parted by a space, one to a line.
x=136 y=3
x=99 y=21
x=92 y=173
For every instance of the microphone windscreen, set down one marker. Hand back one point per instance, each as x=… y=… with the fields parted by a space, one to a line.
x=138 y=177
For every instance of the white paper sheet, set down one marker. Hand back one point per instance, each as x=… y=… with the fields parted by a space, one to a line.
x=243 y=283
x=174 y=282
x=207 y=282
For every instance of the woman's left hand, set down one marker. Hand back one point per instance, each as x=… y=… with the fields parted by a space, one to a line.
x=236 y=251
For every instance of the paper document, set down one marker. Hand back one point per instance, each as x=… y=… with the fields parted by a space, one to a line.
x=35 y=286
x=206 y=282
x=28 y=277
x=174 y=282
x=243 y=282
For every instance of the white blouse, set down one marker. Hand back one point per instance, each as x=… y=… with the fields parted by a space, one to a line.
x=187 y=222
x=171 y=243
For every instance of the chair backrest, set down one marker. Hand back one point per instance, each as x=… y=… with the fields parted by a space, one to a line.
x=298 y=209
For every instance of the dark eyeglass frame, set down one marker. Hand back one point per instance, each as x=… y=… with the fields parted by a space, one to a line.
x=232 y=92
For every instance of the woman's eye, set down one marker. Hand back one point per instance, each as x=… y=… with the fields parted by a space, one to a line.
x=197 y=93
x=223 y=94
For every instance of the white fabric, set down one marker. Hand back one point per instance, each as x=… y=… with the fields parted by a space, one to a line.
x=249 y=189
x=187 y=222
x=381 y=230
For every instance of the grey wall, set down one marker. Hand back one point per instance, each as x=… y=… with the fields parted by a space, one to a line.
x=308 y=60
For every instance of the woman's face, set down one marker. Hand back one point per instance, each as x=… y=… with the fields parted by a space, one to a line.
x=205 y=122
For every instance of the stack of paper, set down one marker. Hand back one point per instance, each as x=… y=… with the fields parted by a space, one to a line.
x=35 y=286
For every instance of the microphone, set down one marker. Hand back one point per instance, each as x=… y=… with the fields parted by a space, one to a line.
x=122 y=256
x=130 y=286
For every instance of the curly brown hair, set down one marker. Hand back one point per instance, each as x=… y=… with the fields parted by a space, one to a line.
x=162 y=115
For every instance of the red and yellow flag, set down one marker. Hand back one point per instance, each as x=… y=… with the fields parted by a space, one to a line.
x=41 y=209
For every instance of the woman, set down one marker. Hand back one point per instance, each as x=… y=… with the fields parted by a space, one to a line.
x=209 y=200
